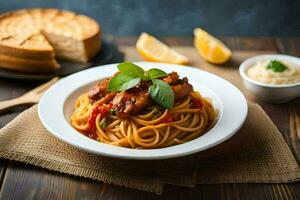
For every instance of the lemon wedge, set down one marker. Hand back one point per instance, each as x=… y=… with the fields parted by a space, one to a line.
x=151 y=49
x=211 y=48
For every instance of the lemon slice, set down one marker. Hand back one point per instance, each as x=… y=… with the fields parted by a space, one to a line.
x=151 y=49
x=210 y=48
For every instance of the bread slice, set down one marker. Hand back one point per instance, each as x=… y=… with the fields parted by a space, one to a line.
x=31 y=39
x=74 y=37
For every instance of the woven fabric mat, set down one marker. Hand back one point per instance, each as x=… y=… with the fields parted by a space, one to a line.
x=256 y=154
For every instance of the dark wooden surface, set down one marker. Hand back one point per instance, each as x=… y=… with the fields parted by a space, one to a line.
x=21 y=181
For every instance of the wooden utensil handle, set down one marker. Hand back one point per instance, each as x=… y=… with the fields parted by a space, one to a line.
x=5 y=105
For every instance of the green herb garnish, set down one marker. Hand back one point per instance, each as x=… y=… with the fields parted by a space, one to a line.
x=276 y=66
x=156 y=112
x=113 y=112
x=131 y=70
x=103 y=123
x=155 y=73
x=130 y=75
x=162 y=93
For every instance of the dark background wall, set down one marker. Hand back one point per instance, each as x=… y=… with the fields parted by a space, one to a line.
x=179 y=17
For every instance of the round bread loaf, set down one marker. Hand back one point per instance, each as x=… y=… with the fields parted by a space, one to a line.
x=31 y=39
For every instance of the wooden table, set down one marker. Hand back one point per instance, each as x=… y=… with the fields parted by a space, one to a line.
x=21 y=181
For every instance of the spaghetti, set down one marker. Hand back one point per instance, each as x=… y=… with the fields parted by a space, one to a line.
x=154 y=127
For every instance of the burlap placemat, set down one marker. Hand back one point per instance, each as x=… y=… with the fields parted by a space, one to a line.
x=257 y=153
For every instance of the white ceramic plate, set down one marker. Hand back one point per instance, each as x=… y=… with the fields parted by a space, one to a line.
x=57 y=104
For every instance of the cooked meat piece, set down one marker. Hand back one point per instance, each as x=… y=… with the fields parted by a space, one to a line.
x=143 y=100
x=107 y=98
x=142 y=86
x=99 y=90
x=136 y=99
x=182 y=90
x=127 y=103
x=123 y=103
x=172 y=78
x=181 y=87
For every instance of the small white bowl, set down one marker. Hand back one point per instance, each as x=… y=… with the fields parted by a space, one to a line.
x=267 y=92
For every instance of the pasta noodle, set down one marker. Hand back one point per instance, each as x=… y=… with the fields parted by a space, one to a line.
x=154 y=127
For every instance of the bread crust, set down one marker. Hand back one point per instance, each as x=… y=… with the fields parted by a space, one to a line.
x=22 y=38
x=27 y=65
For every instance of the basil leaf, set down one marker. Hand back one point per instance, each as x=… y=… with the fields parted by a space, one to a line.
x=156 y=73
x=122 y=82
x=117 y=81
x=130 y=84
x=131 y=70
x=276 y=66
x=162 y=93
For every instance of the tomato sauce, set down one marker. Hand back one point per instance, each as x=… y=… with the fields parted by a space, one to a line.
x=197 y=103
x=167 y=119
x=103 y=110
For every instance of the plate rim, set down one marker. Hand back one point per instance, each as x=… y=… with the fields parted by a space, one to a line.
x=143 y=154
